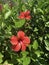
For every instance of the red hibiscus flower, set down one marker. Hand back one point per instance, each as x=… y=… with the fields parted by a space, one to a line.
x=25 y=15
x=19 y=42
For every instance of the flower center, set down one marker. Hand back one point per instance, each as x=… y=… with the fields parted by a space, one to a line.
x=25 y=15
x=20 y=40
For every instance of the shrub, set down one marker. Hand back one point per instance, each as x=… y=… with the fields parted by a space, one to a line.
x=30 y=17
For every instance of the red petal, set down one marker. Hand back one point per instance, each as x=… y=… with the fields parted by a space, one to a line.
x=17 y=47
x=28 y=17
x=21 y=17
x=27 y=12
x=13 y=40
x=22 y=13
x=21 y=34
x=23 y=47
x=26 y=41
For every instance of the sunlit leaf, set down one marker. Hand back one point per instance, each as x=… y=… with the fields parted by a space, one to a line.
x=7 y=14
x=19 y=23
x=47 y=44
x=1 y=60
x=35 y=44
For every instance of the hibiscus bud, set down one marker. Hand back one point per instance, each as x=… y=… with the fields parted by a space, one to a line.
x=1 y=7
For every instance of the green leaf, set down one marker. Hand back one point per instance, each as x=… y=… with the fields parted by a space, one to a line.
x=41 y=38
x=19 y=23
x=47 y=24
x=35 y=44
x=1 y=60
x=24 y=53
x=1 y=57
x=35 y=29
x=7 y=14
x=26 y=60
x=6 y=63
x=6 y=7
x=38 y=53
x=34 y=10
x=47 y=35
x=47 y=44
x=3 y=24
x=40 y=10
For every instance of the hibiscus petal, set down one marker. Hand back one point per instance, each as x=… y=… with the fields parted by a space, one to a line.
x=21 y=34
x=23 y=47
x=26 y=41
x=17 y=47
x=28 y=17
x=21 y=17
x=13 y=40
x=28 y=12
x=22 y=13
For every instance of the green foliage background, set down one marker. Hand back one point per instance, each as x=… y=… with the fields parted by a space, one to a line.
x=37 y=29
